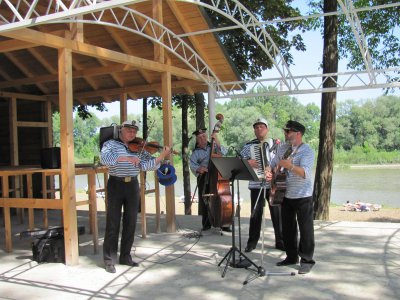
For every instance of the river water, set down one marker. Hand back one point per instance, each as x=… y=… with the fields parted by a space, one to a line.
x=380 y=186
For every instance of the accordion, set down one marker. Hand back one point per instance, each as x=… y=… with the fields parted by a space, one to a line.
x=260 y=153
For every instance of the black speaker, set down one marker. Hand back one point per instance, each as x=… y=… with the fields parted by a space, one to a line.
x=50 y=158
x=108 y=133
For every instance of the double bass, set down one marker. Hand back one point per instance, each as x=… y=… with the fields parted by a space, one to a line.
x=217 y=193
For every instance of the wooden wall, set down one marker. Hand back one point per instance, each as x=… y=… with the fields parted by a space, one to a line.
x=32 y=131
x=4 y=133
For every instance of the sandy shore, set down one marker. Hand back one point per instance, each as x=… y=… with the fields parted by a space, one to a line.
x=336 y=213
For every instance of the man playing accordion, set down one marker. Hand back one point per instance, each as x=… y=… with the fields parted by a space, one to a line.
x=259 y=152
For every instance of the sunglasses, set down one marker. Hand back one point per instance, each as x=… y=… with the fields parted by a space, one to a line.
x=289 y=130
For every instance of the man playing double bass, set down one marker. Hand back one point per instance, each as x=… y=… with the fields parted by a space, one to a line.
x=199 y=162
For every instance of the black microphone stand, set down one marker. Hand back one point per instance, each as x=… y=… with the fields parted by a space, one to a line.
x=235 y=168
x=243 y=260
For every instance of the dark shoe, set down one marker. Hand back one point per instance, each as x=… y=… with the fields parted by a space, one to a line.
x=226 y=229
x=110 y=269
x=305 y=268
x=287 y=262
x=249 y=248
x=207 y=227
x=128 y=262
x=280 y=245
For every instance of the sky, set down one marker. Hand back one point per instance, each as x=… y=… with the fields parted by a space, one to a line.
x=305 y=63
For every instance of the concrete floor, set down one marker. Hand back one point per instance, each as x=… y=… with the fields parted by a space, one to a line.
x=355 y=260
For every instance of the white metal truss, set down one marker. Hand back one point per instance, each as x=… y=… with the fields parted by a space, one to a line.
x=351 y=15
x=95 y=12
x=132 y=21
x=309 y=84
x=232 y=9
x=67 y=11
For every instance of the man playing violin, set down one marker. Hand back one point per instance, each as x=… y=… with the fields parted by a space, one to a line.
x=297 y=205
x=123 y=192
x=199 y=161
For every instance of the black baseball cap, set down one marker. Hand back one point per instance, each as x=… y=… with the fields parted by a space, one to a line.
x=294 y=126
x=199 y=131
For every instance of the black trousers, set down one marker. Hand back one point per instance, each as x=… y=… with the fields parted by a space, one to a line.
x=203 y=209
x=256 y=219
x=298 y=212
x=126 y=196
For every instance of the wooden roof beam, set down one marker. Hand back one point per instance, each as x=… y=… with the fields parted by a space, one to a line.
x=14 y=45
x=49 y=40
x=126 y=49
x=54 y=77
x=186 y=28
x=23 y=96
x=130 y=90
x=20 y=65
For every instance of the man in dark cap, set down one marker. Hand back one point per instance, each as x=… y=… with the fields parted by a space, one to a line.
x=297 y=205
x=123 y=192
x=295 y=127
x=251 y=152
x=199 y=161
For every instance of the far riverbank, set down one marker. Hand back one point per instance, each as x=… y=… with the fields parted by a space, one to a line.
x=336 y=213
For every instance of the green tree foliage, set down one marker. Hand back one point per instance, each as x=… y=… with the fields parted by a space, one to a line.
x=247 y=56
x=369 y=124
x=86 y=138
x=366 y=130
x=381 y=30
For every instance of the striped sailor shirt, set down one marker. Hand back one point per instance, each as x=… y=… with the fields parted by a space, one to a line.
x=297 y=186
x=245 y=153
x=200 y=157
x=113 y=149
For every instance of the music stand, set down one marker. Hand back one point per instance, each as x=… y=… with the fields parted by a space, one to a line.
x=235 y=168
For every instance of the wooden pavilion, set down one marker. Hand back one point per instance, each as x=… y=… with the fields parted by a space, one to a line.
x=53 y=59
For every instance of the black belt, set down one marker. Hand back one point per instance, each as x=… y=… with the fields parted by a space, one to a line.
x=123 y=179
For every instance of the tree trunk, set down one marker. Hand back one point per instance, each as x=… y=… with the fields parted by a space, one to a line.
x=200 y=123
x=327 y=131
x=144 y=136
x=200 y=109
x=185 y=156
x=144 y=110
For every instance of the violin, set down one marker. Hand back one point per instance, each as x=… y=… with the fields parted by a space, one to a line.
x=139 y=144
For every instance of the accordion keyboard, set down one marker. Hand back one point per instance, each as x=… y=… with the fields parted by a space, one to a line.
x=255 y=153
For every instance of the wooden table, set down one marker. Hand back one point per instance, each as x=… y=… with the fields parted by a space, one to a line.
x=47 y=203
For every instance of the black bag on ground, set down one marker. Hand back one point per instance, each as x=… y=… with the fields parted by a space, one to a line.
x=50 y=246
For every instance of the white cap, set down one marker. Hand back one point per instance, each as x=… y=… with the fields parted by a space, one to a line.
x=260 y=121
x=130 y=124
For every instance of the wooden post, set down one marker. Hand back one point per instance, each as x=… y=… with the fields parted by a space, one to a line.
x=157 y=199
x=16 y=181
x=123 y=108
x=143 y=193
x=67 y=157
x=143 y=203
x=167 y=125
x=93 y=209
x=7 y=217
x=44 y=196
x=29 y=189
x=49 y=143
